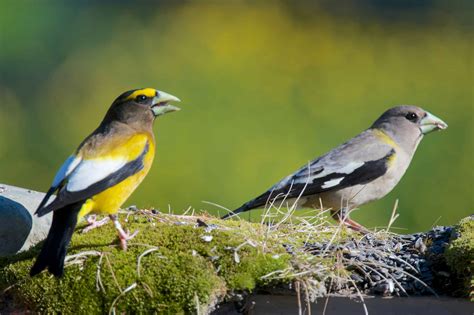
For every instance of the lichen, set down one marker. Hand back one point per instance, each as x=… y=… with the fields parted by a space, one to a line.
x=460 y=255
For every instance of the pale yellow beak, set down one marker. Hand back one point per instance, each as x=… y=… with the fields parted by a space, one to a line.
x=160 y=104
x=431 y=123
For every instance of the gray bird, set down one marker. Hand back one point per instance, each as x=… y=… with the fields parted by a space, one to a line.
x=363 y=169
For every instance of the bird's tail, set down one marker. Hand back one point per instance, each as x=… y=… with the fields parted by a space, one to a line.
x=54 y=248
x=243 y=208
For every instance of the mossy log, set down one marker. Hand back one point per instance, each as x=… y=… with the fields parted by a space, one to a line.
x=188 y=264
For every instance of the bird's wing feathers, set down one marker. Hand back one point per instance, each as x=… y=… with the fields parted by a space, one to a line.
x=90 y=176
x=356 y=162
x=68 y=166
x=64 y=171
x=92 y=171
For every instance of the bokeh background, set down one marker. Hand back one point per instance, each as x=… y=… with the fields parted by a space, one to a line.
x=265 y=87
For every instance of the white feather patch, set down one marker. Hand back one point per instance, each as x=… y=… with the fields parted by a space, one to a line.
x=90 y=172
x=332 y=182
x=346 y=169
x=308 y=178
x=68 y=166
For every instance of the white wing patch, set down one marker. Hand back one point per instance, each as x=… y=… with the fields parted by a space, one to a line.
x=332 y=183
x=90 y=172
x=346 y=169
x=68 y=166
x=304 y=176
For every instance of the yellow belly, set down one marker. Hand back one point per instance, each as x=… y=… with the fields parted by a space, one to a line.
x=110 y=200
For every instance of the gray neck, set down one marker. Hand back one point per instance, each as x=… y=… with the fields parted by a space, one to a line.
x=407 y=138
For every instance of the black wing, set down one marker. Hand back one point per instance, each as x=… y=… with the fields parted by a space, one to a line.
x=297 y=185
x=66 y=197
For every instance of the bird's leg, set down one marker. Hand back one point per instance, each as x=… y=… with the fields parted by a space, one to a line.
x=123 y=236
x=342 y=216
x=92 y=223
x=91 y=219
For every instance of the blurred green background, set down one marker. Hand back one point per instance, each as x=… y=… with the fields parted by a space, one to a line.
x=265 y=87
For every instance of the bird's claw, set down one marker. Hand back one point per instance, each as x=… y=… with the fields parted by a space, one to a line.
x=92 y=223
x=124 y=236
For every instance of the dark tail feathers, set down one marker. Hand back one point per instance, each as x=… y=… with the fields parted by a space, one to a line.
x=54 y=248
x=244 y=208
x=252 y=204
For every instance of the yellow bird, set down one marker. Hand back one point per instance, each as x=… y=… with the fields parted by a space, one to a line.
x=103 y=172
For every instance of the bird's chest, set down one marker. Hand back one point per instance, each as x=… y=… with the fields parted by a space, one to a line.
x=381 y=186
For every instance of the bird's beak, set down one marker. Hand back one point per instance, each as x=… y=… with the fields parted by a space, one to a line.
x=160 y=104
x=431 y=123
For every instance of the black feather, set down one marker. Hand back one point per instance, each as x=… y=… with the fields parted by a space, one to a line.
x=55 y=246
x=236 y=211
x=364 y=174
x=45 y=200
x=66 y=197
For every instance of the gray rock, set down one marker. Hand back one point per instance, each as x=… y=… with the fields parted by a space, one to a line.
x=19 y=227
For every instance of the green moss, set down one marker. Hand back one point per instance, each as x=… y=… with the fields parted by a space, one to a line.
x=460 y=255
x=180 y=272
x=170 y=278
x=171 y=268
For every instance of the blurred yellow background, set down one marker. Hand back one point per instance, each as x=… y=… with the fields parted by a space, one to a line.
x=265 y=87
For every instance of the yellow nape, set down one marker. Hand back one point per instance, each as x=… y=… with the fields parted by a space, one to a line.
x=386 y=138
x=148 y=92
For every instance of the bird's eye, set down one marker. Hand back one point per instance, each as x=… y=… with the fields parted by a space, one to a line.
x=141 y=98
x=411 y=117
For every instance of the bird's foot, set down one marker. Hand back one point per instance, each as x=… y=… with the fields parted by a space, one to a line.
x=124 y=236
x=355 y=226
x=92 y=223
x=342 y=216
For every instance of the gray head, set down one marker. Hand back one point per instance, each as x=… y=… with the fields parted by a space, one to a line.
x=407 y=124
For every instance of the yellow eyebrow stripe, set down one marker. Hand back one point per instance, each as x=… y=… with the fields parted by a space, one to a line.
x=148 y=92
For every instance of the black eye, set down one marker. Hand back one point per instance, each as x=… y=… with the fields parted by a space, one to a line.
x=141 y=98
x=411 y=117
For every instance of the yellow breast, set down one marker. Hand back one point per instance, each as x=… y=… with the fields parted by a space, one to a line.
x=110 y=200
